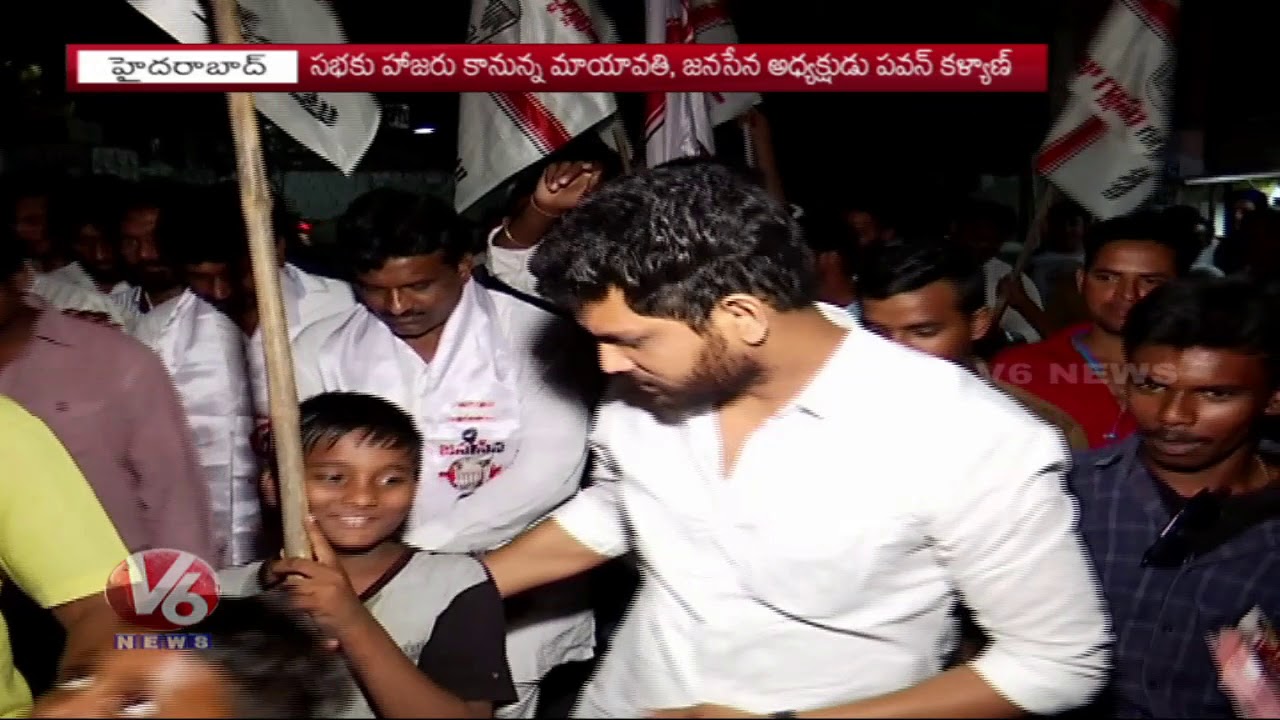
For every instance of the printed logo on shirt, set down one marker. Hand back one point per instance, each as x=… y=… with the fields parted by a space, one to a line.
x=466 y=475
x=472 y=444
x=163 y=589
x=473 y=465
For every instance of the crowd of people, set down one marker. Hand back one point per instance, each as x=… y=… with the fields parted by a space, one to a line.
x=849 y=481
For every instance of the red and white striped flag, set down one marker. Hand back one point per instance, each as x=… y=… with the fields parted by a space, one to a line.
x=1106 y=151
x=680 y=124
x=501 y=134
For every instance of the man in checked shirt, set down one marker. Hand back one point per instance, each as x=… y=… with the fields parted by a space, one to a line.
x=1183 y=519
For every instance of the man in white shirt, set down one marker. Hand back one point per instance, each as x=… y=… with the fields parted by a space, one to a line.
x=203 y=350
x=151 y=205
x=98 y=266
x=800 y=554
x=475 y=363
x=216 y=268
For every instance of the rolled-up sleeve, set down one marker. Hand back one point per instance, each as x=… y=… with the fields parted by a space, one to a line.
x=1007 y=530
x=593 y=519
x=595 y=516
x=161 y=453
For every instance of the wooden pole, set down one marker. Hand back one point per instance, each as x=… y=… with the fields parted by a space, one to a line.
x=1029 y=246
x=255 y=203
x=624 y=145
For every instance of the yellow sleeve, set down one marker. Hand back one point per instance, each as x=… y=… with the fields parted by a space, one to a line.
x=56 y=541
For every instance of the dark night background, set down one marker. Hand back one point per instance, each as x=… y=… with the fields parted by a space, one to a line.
x=928 y=143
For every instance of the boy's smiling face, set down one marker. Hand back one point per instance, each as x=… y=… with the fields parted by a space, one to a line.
x=141 y=683
x=359 y=493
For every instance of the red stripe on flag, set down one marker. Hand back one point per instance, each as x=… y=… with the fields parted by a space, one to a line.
x=1066 y=147
x=1160 y=13
x=705 y=16
x=537 y=122
x=655 y=108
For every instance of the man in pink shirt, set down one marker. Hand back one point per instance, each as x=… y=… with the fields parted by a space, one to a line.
x=109 y=401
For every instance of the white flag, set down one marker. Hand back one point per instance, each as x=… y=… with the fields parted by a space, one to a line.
x=500 y=134
x=1106 y=150
x=680 y=124
x=338 y=127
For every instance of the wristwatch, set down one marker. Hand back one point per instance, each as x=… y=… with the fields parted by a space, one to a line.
x=784 y=714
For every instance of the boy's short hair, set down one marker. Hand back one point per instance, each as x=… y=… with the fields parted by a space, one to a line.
x=1142 y=226
x=275 y=657
x=1217 y=313
x=328 y=417
x=905 y=265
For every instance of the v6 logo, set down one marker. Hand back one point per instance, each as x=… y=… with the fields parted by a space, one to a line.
x=163 y=589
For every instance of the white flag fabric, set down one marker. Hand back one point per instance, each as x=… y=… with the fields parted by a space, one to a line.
x=680 y=124
x=338 y=127
x=1106 y=151
x=500 y=134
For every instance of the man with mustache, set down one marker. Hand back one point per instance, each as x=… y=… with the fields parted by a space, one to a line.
x=88 y=223
x=482 y=369
x=1183 y=519
x=155 y=280
x=215 y=265
x=1081 y=368
x=800 y=555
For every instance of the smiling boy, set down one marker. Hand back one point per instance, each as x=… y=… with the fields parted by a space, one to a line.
x=423 y=634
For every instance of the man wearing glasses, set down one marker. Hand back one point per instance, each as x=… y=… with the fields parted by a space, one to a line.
x=1183 y=519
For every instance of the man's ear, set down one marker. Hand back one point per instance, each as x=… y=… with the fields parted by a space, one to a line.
x=268 y=491
x=1273 y=405
x=465 y=266
x=980 y=323
x=1080 y=280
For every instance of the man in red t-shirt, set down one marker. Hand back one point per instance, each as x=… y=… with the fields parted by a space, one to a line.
x=1081 y=369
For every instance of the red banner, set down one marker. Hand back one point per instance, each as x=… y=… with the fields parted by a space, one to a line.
x=557 y=68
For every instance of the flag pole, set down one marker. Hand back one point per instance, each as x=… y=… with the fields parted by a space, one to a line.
x=1029 y=245
x=255 y=204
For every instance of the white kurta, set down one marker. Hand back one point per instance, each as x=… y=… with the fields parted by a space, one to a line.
x=124 y=297
x=552 y=433
x=307 y=299
x=202 y=350
x=63 y=295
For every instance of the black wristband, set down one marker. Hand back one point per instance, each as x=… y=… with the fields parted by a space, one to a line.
x=784 y=714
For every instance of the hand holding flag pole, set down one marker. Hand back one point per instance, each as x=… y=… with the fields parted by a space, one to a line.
x=1034 y=234
x=255 y=201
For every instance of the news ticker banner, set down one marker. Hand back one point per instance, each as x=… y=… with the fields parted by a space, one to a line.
x=558 y=68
